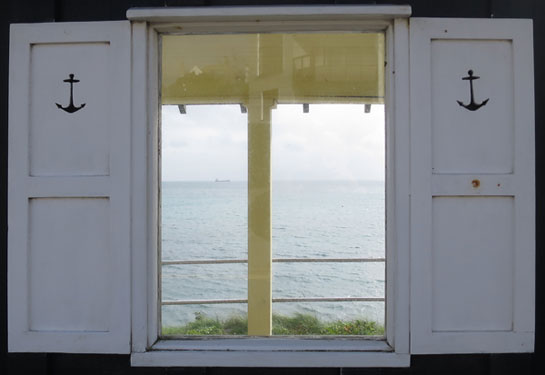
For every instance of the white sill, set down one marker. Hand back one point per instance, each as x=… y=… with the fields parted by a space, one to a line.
x=271 y=352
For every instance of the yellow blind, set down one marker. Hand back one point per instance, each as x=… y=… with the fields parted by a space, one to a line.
x=296 y=68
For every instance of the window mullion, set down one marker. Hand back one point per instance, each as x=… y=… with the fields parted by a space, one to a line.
x=259 y=214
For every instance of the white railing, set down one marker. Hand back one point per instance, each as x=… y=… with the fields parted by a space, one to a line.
x=274 y=300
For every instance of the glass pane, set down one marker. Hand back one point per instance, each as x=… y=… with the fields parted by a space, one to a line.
x=203 y=213
x=238 y=109
x=328 y=204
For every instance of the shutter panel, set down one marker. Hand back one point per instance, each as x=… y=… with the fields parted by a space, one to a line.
x=69 y=188
x=472 y=186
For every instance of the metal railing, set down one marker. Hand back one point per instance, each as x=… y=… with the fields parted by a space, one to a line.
x=274 y=300
x=275 y=260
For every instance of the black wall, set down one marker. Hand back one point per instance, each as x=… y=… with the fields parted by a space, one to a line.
x=14 y=11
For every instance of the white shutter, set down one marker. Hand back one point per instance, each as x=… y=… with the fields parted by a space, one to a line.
x=472 y=186
x=69 y=188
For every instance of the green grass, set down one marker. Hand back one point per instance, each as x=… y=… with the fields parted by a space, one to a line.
x=299 y=324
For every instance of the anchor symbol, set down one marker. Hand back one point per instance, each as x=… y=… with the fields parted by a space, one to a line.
x=472 y=106
x=71 y=108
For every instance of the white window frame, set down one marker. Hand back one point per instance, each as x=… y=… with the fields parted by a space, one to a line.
x=147 y=349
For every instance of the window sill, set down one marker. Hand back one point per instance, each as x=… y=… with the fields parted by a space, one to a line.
x=272 y=352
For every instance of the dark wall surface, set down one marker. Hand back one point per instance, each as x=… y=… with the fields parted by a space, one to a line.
x=14 y=11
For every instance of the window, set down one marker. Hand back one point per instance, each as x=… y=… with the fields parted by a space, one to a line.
x=83 y=186
x=312 y=182
x=304 y=350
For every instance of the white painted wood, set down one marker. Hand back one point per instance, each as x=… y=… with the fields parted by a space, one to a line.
x=472 y=273
x=269 y=13
x=82 y=135
x=145 y=188
x=474 y=184
x=96 y=186
x=472 y=187
x=154 y=184
x=69 y=197
x=140 y=191
x=69 y=245
x=254 y=344
x=397 y=179
x=471 y=141
x=218 y=27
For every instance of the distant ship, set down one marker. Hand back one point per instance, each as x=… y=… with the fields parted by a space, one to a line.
x=222 y=180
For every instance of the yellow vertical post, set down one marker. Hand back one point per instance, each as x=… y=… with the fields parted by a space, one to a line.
x=259 y=217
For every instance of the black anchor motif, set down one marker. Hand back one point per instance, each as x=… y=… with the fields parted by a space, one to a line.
x=71 y=108
x=472 y=106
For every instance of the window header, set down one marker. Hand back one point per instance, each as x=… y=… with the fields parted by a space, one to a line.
x=269 y=13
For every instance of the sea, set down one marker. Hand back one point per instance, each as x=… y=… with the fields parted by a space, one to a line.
x=310 y=219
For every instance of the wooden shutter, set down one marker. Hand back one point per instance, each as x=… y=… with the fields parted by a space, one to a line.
x=472 y=186
x=69 y=188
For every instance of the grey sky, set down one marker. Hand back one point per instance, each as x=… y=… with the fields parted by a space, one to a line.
x=332 y=142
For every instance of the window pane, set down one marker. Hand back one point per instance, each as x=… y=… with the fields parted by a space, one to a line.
x=203 y=219
x=236 y=110
x=328 y=203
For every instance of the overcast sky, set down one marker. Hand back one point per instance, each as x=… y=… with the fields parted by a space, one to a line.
x=332 y=142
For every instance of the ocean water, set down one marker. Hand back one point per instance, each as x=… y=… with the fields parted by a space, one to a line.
x=310 y=219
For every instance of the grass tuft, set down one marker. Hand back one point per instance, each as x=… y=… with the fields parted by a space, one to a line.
x=299 y=324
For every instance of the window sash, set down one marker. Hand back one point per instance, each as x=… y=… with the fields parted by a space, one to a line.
x=146 y=269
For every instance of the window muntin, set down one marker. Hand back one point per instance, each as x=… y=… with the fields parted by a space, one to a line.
x=262 y=72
